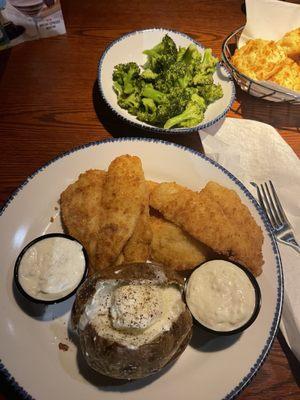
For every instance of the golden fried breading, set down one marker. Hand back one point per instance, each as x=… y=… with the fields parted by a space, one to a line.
x=80 y=209
x=194 y=214
x=259 y=59
x=288 y=76
x=120 y=259
x=174 y=248
x=291 y=44
x=248 y=235
x=137 y=249
x=151 y=185
x=206 y=219
x=122 y=203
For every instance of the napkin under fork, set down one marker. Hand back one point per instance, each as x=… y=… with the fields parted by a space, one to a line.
x=254 y=151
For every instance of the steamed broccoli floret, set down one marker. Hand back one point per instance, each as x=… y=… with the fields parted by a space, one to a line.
x=202 y=78
x=182 y=72
x=209 y=62
x=125 y=75
x=147 y=113
x=149 y=75
x=162 y=85
x=157 y=96
x=180 y=53
x=177 y=74
x=174 y=104
x=151 y=101
x=166 y=105
x=191 y=116
x=127 y=84
x=118 y=88
x=191 y=55
x=210 y=93
x=130 y=103
x=149 y=105
x=161 y=56
x=204 y=70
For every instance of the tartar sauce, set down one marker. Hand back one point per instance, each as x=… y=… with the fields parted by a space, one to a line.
x=51 y=268
x=220 y=296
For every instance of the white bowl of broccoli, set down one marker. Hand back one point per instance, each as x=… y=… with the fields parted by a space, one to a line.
x=164 y=81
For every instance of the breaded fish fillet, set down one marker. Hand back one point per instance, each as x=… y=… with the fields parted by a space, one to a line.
x=137 y=249
x=174 y=248
x=80 y=210
x=193 y=214
x=248 y=250
x=122 y=203
x=215 y=223
x=151 y=185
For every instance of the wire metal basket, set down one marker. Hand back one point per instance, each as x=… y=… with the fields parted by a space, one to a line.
x=257 y=89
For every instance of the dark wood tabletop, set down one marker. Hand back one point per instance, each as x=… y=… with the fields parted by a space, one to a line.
x=49 y=103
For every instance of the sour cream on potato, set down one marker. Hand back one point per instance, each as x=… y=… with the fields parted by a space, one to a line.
x=132 y=314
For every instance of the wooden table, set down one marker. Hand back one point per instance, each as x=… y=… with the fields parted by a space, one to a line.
x=49 y=103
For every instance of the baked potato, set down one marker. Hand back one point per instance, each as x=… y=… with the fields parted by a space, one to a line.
x=131 y=320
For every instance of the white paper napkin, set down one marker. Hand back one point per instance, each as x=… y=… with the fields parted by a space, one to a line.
x=254 y=151
x=269 y=19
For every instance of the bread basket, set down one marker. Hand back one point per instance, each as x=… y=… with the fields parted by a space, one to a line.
x=247 y=84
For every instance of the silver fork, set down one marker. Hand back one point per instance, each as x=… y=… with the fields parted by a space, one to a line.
x=270 y=203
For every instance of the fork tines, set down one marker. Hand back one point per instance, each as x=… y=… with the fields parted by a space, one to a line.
x=273 y=209
x=272 y=206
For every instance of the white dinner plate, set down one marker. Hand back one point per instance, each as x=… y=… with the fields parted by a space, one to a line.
x=211 y=368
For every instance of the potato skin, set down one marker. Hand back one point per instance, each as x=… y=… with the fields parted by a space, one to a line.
x=116 y=360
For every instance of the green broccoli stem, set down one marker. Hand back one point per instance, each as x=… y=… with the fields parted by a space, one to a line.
x=118 y=88
x=194 y=111
x=151 y=93
x=149 y=104
x=128 y=87
x=178 y=119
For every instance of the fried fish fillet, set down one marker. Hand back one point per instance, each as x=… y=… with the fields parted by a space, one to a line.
x=80 y=211
x=122 y=203
x=217 y=224
x=248 y=235
x=194 y=214
x=174 y=248
x=151 y=185
x=137 y=249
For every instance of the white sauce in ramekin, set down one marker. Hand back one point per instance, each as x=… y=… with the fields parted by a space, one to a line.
x=51 y=268
x=220 y=296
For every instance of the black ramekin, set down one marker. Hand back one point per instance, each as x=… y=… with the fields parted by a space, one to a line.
x=255 y=310
x=20 y=256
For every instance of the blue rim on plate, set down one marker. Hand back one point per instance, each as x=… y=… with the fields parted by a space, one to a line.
x=276 y=319
x=155 y=129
